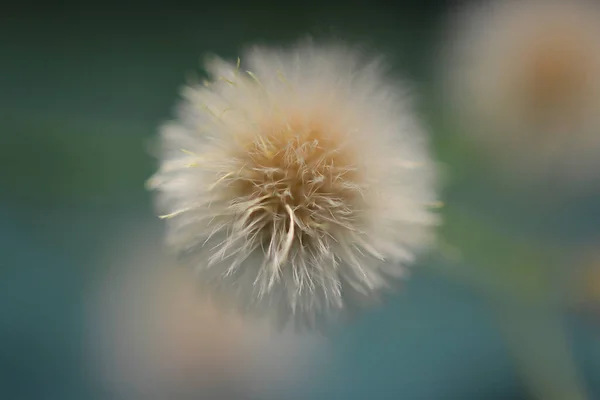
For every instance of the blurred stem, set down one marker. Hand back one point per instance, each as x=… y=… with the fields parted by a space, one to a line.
x=517 y=275
x=540 y=346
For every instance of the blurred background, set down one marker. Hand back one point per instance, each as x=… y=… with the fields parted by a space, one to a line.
x=507 y=309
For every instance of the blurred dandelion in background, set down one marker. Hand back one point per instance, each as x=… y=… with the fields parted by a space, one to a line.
x=524 y=77
x=522 y=84
x=297 y=183
x=154 y=336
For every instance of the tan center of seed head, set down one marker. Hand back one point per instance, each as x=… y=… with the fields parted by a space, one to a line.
x=556 y=75
x=305 y=171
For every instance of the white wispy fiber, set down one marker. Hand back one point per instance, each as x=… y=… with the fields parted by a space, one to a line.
x=296 y=182
x=525 y=78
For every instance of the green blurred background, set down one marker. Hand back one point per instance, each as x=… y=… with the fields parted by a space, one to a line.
x=83 y=87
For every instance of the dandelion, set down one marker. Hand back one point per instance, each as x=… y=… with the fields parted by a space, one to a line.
x=297 y=183
x=526 y=83
x=152 y=336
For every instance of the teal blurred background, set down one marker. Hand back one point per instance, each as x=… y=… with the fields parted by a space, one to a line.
x=83 y=88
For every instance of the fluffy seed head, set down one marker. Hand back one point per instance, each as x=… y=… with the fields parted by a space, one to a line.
x=525 y=78
x=297 y=183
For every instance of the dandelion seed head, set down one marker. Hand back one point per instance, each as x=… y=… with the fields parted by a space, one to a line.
x=296 y=181
x=524 y=77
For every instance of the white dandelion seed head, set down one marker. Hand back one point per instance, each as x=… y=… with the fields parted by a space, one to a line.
x=524 y=77
x=150 y=335
x=297 y=182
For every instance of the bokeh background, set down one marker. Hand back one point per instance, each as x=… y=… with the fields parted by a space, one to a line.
x=83 y=87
